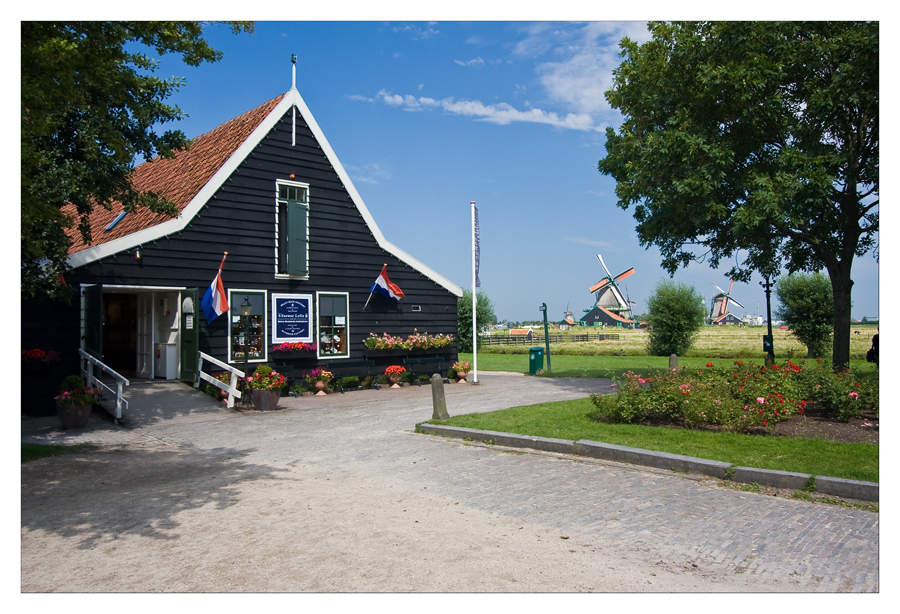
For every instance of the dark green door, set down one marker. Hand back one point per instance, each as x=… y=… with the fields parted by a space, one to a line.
x=190 y=333
x=93 y=321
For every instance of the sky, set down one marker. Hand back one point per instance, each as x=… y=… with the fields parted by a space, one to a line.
x=428 y=116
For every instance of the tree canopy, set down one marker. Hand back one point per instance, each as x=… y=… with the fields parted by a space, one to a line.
x=89 y=106
x=752 y=140
x=484 y=314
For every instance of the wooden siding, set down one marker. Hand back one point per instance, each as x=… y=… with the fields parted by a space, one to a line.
x=240 y=219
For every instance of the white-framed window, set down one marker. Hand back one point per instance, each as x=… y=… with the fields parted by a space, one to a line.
x=333 y=324
x=247 y=335
x=291 y=229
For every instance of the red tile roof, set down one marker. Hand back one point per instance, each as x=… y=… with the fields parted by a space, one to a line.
x=179 y=179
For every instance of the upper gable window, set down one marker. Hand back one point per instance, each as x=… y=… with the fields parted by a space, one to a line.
x=292 y=257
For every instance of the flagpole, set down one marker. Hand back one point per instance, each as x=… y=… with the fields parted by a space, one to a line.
x=474 y=301
x=370 y=293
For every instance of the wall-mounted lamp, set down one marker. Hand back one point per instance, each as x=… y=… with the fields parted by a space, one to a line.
x=137 y=253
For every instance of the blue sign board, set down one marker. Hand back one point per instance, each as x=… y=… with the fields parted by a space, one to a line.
x=292 y=318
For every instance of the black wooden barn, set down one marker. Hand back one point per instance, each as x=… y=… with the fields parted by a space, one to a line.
x=599 y=316
x=266 y=188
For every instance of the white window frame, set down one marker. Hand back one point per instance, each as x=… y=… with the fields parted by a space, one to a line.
x=278 y=201
x=265 y=334
x=319 y=353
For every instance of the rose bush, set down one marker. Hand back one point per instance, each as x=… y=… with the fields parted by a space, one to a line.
x=736 y=398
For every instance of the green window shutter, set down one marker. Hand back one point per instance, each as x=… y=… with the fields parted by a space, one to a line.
x=297 y=213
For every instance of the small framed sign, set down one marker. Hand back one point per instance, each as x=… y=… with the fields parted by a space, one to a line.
x=292 y=318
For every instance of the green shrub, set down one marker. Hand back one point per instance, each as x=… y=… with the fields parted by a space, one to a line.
x=735 y=397
x=676 y=313
x=351 y=381
x=72 y=382
x=807 y=307
x=424 y=378
x=367 y=382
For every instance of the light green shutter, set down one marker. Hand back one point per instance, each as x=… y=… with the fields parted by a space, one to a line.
x=297 y=213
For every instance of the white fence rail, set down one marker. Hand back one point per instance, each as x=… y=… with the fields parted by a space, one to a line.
x=231 y=388
x=88 y=367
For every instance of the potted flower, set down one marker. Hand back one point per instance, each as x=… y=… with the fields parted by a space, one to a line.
x=320 y=378
x=265 y=387
x=394 y=373
x=462 y=369
x=73 y=404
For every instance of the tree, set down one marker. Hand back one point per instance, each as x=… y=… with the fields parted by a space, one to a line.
x=89 y=106
x=484 y=314
x=752 y=140
x=807 y=307
x=676 y=311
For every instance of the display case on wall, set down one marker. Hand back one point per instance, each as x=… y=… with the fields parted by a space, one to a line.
x=248 y=333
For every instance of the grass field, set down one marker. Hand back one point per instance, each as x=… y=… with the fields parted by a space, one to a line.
x=567 y=420
x=712 y=342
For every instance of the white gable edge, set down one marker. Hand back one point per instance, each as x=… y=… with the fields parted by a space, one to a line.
x=292 y=98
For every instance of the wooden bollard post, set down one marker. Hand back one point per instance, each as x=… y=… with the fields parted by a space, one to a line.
x=438 y=399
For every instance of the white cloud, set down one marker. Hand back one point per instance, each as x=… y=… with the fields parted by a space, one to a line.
x=372 y=174
x=417 y=32
x=500 y=113
x=476 y=62
x=581 y=60
x=591 y=242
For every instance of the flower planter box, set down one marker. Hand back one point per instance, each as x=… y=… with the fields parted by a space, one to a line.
x=292 y=355
x=73 y=416
x=403 y=353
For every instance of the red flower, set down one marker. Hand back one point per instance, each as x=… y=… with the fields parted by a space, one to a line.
x=765 y=423
x=800 y=411
x=709 y=364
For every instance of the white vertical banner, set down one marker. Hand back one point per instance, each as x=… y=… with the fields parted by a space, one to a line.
x=475 y=283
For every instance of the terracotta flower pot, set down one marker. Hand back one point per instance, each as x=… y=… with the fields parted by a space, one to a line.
x=394 y=378
x=265 y=400
x=320 y=386
x=462 y=376
x=73 y=416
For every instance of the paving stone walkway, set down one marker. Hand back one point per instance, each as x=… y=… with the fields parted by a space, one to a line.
x=670 y=520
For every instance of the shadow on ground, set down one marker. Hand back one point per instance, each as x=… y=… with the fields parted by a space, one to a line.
x=101 y=494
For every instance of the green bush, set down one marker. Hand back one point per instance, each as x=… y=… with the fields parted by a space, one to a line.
x=807 y=307
x=735 y=397
x=676 y=313
x=367 y=382
x=351 y=381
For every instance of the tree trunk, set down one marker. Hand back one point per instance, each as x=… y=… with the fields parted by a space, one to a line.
x=840 y=287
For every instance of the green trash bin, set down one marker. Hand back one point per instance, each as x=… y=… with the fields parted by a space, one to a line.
x=535 y=360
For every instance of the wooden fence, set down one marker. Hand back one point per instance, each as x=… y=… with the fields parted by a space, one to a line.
x=539 y=339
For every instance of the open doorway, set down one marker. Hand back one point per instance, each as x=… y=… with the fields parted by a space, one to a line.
x=120 y=333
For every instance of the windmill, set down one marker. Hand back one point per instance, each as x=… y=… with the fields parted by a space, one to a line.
x=720 y=303
x=609 y=296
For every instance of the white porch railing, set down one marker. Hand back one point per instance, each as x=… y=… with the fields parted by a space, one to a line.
x=231 y=388
x=88 y=363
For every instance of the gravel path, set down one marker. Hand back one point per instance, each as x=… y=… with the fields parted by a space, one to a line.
x=338 y=494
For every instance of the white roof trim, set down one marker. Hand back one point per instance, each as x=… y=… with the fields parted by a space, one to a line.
x=292 y=98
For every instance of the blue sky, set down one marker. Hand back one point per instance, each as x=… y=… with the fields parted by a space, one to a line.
x=428 y=116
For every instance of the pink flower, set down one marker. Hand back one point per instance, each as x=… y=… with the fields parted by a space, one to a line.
x=760 y=400
x=853 y=395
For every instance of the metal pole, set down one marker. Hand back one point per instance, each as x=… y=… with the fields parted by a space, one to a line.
x=474 y=302
x=770 y=355
x=546 y=335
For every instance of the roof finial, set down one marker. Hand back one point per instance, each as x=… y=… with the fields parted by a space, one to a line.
x=293 y=71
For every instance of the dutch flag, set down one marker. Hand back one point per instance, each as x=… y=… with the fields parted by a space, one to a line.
x=215 y=301
x=385 y=288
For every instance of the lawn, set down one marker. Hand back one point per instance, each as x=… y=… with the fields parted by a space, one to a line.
x=34 y=451
x=605 y=366
x=567 y=420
